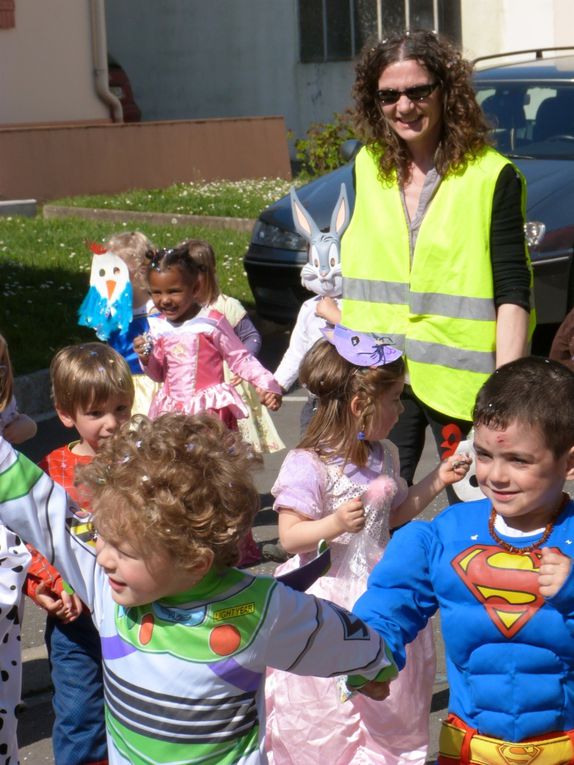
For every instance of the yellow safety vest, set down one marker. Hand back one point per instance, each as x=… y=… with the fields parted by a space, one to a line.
x=439 y=309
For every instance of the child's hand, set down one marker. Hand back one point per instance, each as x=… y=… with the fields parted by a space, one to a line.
x=554 y=570
x=378 y=690
x=350 y=516
x=454 y=468
x=72 y=606
x=271 y=400
x=20 y=429
x=142 y=347
x=66 y=608
x=328 y=309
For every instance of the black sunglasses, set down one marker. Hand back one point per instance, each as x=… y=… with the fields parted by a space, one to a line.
x=416 y=93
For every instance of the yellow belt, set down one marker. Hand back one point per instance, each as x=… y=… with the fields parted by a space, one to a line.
x=483 y=750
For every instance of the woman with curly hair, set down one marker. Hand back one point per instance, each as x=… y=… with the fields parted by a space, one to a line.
x=435 y=254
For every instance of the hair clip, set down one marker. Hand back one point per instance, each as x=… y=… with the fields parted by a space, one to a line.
x=155 y=257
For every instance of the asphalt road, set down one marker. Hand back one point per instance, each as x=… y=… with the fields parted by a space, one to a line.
x=35 y=724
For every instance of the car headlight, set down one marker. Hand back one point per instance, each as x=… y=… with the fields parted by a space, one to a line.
x=534 y=231
x=272 y=236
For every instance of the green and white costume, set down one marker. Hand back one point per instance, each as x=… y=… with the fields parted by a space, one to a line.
x=184 y=676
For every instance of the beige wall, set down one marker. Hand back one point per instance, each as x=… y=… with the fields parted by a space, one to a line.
x=46 y=68
x=496 y=26
x=47 y=163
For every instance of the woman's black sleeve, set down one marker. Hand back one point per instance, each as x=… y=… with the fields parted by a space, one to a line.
x=510 y=271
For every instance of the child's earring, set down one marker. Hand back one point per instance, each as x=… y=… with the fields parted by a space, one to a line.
x=361 y=435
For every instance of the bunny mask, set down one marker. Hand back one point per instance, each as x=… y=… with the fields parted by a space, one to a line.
x=322 y=272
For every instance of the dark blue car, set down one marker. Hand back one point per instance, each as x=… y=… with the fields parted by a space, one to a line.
x=530 y=105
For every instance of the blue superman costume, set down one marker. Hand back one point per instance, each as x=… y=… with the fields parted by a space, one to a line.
x=509 y=651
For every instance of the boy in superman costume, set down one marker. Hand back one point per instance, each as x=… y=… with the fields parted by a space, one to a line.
x=500 y=572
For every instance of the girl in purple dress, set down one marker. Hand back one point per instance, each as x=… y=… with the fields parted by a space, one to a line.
x=342 y=484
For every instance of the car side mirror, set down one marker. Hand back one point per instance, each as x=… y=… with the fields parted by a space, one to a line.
x=349 y=149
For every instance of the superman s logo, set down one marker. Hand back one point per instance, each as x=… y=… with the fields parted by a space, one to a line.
x=505 y=583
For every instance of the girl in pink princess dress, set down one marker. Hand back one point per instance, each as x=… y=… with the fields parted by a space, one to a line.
x=342 y=485
x=188 y=351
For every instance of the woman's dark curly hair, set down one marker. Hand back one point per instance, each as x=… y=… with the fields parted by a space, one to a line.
x=180 y=484
x=464 y=128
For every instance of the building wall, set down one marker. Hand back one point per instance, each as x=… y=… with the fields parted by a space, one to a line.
x=190 y=59
x=50 y=162
x=494 y=26
x=46 y=65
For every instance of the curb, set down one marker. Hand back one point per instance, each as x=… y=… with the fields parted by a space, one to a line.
x=25 y=207
x=159 y=219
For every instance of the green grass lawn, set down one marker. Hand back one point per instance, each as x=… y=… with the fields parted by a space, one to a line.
x=237 y=199
x=44 y=275
x=45 y=264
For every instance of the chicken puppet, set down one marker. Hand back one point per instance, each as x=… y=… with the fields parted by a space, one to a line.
x=108 y=305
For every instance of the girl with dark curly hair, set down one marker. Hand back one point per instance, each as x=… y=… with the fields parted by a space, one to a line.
x=435 y=254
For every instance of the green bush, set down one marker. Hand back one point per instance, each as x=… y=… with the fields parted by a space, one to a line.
x=320 y=153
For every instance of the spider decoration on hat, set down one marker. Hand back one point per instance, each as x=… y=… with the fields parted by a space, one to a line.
x=364 y=349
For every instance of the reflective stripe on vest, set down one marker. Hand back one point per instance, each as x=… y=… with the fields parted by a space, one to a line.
x=425 y=302
x=440 y=309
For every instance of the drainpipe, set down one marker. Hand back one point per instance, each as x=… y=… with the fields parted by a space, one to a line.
x=100 y=54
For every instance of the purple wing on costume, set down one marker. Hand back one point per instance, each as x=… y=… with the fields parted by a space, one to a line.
x=364 y=349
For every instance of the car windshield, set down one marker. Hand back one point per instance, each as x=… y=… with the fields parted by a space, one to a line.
x=530 y=119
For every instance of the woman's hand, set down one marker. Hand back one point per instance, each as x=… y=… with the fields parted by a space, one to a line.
x=350 y=516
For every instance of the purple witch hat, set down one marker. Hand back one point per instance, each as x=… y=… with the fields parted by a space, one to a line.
x=364 y=349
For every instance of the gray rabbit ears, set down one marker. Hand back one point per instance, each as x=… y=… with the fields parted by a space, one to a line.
x=306 y=226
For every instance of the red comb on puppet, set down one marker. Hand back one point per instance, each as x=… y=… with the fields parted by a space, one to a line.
x=97 y=248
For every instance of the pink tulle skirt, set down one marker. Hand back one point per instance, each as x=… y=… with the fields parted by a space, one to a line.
x=215 y=398
x=307 y=724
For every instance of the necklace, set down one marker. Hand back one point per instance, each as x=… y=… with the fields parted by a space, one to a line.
x=536 y=545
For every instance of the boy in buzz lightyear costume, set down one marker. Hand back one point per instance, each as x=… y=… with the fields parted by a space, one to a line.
x=186 y=638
